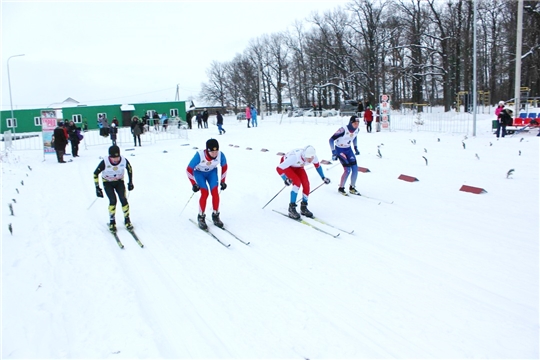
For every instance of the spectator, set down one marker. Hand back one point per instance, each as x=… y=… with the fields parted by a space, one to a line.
x=85 y=125
x=219 y=118
x=189 y=116
x=377 y=119
x=73 y=138
x=165 y=121
x=60 y=142
x=199 y=120
x=114 y=133
x=253 y=116
x=115 y=122
x=504 y=120
x=104 y=128
x=248 y=115
x=155 y=120
x=136 y=129
x=368 y=118
x=360 y=108
x=205 y=118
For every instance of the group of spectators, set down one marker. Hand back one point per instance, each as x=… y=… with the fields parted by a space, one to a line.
x=64 y=132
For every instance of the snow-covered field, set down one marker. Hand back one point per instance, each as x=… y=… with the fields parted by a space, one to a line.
x=439 y=273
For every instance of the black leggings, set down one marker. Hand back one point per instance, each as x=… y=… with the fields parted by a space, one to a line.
x=120 y=188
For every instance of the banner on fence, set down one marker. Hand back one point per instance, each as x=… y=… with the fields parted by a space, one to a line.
x=48 y=124
x=385 y=111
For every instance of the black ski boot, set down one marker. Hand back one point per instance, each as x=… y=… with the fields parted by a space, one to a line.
x=341 y=190
x=353 y=190
x=128 y=223
x=304 y=210
x=292 y=212
x=201 y=221
x=216 y=220
x=112 y=226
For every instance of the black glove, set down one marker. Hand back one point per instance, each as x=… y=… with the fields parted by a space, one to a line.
x=326 y=180
x=222 y=186
x=356 y=152
x=334 y=155
x=99 y=192
x=195 y=188
x=130 y=186
x=287 y=181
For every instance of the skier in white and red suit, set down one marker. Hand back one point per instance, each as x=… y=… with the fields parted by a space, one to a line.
x=291 y=169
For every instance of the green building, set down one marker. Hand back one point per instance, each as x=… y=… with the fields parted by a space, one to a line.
x=29 y=120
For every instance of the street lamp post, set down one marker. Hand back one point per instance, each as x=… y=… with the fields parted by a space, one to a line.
x=9 y=85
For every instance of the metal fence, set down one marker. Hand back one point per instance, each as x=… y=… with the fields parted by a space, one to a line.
x=34 y=141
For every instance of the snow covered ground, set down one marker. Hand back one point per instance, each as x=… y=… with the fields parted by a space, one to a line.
x=439 y=273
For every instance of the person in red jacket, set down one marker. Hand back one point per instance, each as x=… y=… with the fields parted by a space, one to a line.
x=368 y=118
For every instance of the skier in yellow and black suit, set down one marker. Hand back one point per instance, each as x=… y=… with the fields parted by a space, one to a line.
x=112 y=172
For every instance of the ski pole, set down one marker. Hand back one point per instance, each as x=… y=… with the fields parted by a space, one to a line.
x=92 y=203
x=323 y=183
x=186 y=203
x=284 y=186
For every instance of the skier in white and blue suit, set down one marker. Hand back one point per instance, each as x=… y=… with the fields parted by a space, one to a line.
x=340 y=144
x=203 y=175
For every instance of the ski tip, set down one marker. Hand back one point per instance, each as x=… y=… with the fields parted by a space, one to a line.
x=337 y=235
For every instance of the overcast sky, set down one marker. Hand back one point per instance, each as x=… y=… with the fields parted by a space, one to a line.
x=121 y=52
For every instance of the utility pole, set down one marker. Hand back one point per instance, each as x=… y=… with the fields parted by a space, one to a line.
x=9 y=85
x=519 y=41
x=260 y=93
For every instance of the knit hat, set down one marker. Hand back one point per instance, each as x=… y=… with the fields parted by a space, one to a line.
x=309 y=152
x=508 y=109
x=212 y=145
x=354 y=118
x=114 y=151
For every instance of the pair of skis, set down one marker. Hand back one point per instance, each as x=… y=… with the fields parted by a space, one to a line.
x=314 y=227
x=132 y=232
x=215 y=237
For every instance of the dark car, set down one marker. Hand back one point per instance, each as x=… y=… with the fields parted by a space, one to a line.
x=348 y=108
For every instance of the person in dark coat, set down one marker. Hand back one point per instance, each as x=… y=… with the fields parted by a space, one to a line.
x=136 y=129
x=205 y=118
x=189 y=116
x=360 y=108
x=505 y=119
x=73 y=139
x=60 y=142
x=198 y=117
x=219 y=118
x=114 y=133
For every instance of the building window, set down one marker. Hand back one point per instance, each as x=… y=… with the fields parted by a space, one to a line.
x=77 y=119
x=37 y=121
x=100 y=114
x=11 y=122
x=150 y=113
x=174 y=112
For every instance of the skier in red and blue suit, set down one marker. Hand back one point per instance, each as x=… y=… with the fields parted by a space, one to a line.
x=202 y=173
